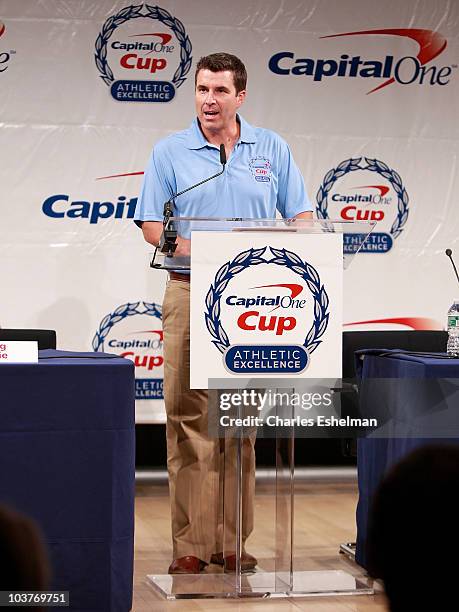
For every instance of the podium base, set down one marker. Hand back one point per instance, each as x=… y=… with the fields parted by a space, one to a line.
x=259 y=584
x=348 y=549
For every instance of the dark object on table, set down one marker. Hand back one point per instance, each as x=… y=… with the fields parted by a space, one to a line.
x=410 y=340
x=46 y=338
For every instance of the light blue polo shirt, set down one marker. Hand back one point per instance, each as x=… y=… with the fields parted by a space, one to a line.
x=260 y=176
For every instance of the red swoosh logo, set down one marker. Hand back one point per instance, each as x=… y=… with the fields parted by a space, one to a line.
x=2 y=28
x=431 y=44
x=101 y=178
x=413 y=322
x=150 y=331
x=383 y=189
x=294 y=289
x=165 y=38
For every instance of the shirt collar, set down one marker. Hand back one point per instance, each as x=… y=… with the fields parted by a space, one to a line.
x=196 y=140
x=247 y=132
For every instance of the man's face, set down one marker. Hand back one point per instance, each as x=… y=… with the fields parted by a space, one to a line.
x=216 y=99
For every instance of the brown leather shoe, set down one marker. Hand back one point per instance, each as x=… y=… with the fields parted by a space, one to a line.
x=248 y=562
x=186 y=565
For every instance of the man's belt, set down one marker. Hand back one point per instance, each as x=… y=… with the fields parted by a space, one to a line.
x=179 y=277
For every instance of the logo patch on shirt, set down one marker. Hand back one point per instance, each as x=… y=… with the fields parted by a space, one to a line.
x=260 y=167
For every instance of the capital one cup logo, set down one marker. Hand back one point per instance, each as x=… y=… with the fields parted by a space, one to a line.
x=143 y=54
x=271 y=328
x=134 y=330
x=368 y=190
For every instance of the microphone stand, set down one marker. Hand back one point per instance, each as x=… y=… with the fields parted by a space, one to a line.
x=167 y=242
x=449 y=253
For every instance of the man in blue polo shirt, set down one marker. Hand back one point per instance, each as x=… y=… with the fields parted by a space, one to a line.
x=260 y=177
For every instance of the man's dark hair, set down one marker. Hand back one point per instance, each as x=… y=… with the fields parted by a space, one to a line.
x=217 y=62
x=413 y=531
x=23 y=556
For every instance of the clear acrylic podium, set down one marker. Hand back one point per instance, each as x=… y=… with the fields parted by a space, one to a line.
x=282 y=569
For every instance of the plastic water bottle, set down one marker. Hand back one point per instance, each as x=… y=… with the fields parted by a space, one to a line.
x=452 y=348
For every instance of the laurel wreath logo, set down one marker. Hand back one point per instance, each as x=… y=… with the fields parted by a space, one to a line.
x=374 y=165
x=253 y=257
x=122 y=312
x=134 y=12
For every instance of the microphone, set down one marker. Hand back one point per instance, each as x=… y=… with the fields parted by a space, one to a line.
x=222 y=156
x=449 y=253
x=167 y=242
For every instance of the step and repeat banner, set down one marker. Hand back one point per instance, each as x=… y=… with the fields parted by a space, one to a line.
x=366 y=94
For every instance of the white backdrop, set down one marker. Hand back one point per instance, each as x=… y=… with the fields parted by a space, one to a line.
x=62 y=133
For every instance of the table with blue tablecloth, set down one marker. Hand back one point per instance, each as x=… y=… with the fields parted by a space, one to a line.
x=419 y=392
x=67 y=459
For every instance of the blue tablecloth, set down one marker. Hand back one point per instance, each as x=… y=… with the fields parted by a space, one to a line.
x=376 y=456
x=67 y=459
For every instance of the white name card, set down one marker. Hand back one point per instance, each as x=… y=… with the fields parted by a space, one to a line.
x=18 y=351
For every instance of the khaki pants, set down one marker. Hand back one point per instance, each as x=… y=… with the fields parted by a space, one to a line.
x=198 y=465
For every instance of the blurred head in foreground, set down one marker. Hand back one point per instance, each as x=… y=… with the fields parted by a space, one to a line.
x=413 y=532
x=23 y=561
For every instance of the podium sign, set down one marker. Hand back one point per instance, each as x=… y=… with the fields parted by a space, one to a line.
x=265 y=303
x=18 y=351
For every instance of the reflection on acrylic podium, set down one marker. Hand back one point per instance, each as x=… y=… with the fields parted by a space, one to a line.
x=270 y=537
